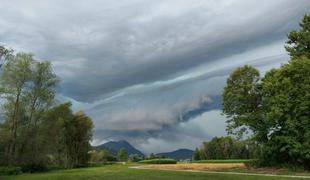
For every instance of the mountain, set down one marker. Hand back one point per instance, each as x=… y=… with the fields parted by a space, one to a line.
x=178 y=154
x=115 y=146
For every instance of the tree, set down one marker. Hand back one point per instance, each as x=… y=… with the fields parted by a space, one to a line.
x=5 y=54
x=152 y=156
x=122 y=155
x=36 y=132
x=242 y=102
x=196 y=155
x=39 y=98
x=135 y=158
x=14 y=81
x=287 y=103
x=225 y=148
x=78 y=133
x=276 y=107
x=298 y=43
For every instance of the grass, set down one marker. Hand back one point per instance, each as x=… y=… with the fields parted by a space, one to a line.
x=122 y=172
x=224 y=161
x=159 y=161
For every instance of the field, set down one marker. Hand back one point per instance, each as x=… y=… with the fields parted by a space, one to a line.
x=123 y=172
x=224 y=161
x=197 y=166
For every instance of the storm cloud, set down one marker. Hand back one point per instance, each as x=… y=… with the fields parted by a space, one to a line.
x=151 y=71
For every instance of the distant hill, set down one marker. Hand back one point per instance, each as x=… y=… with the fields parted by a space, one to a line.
x=114 y=147
x=178 y=154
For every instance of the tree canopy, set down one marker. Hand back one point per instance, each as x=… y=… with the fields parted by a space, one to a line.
x=37 y=131
x=276 y=107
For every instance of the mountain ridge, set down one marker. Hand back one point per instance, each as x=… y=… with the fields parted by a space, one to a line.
x=115 y=146
x=179 y=154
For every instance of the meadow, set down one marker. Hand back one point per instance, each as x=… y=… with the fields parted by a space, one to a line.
x=124 y=172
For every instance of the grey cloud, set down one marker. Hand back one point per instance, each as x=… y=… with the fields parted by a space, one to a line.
x=138 y=66
x=99 y=50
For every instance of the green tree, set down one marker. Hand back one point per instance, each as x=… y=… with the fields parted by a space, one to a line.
x=78 y=133
x=242 y=102
x=38 y=99
x=287 y=103
x=122 y=155
x=298 y=43
x=5 y=54
x=196 y=155
x=36 y=133
x=225 y=148
x=276 y=107
x=54 y=134
x=14 y=81
x=152 y=156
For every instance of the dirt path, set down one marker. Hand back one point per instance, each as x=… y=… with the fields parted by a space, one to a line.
x=217 y=172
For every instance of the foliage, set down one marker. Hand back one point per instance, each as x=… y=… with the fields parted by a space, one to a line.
x=122 y=155
x=196 y=155
x=5 y=54
x=31 y=168
x=10 y=170
x=78 y=132
x=241 y=101
x=298 y=43
x=159 y=161
x=102 y=155
x=225 y=148
x=135 y=158
x=280 y=122
x=37 y=132
x=276 y=108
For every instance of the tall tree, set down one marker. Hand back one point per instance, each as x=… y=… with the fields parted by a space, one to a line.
x=38 y=100
x=242 y=101
x=196 y=155
x=287 y=105
x=122 y=155
x=298 y=43
x=5 y=54
x=78 y=133
x=14 y=81
x=276 y=108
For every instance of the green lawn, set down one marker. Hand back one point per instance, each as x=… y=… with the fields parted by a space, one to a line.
x=122 y=172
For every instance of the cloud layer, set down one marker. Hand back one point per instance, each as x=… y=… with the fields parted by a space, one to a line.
x=145 y=70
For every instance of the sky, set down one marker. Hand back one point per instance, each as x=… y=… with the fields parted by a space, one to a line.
x=151 y=72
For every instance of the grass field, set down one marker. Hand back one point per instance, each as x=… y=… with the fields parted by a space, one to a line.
x=123 y=172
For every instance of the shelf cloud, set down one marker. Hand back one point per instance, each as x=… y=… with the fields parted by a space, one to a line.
x=145 y=70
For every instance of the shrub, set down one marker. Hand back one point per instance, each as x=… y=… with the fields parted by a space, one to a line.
x=10 y=170
x=159 y=161
x=34 y=168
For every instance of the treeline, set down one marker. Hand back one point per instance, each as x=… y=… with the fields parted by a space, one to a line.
x=225 y=148
x=35 y=131
x=275 y=107
x=105 y=155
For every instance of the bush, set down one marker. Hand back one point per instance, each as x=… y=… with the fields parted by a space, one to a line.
x=30 y=168
x=100 y=164
x=10 y=170
x=159 y=161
